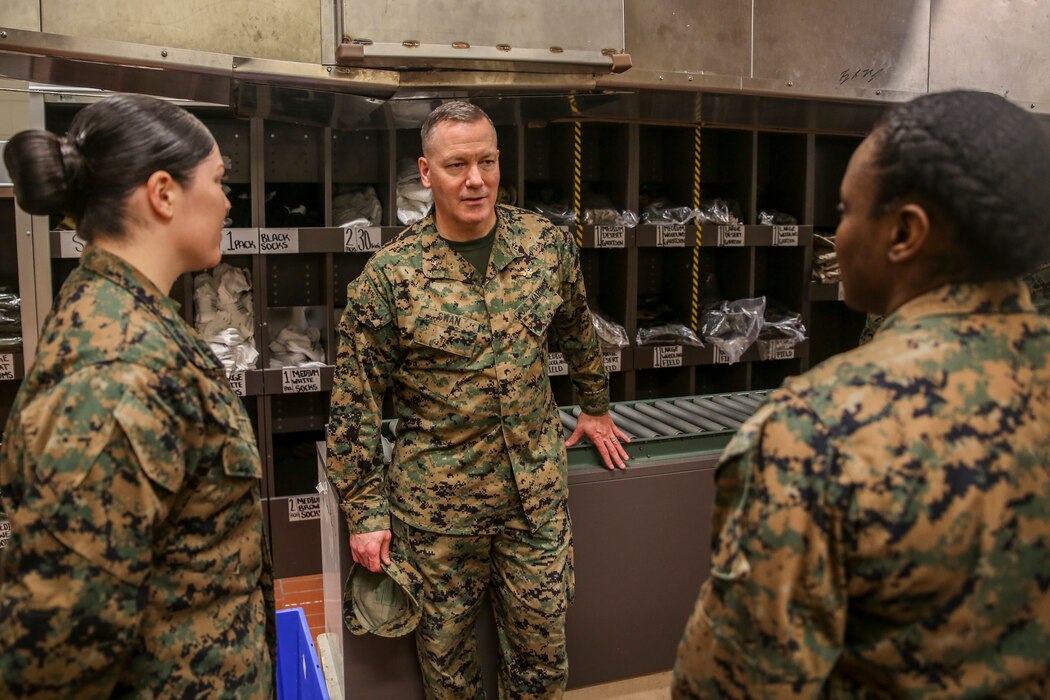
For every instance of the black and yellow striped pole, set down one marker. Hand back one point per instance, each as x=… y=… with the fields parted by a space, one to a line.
x=577 y=171
x=694 y=316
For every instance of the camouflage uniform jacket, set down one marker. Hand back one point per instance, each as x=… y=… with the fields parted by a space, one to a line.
x=467 y=359
x=883 y=521
x=135 y=566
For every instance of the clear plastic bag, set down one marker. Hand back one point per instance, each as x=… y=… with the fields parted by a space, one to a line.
x=719 y=211
x=611 y=335
x=668 y=334
x=662 y=213
x=558 y=213
x=779 y=322
x=772 y=217
x=413 y=199
x=357 y=206
x=610 y=217
x=732 y=326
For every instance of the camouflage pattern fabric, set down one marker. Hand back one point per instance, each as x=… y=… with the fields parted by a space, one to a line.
x=883 y=521
x=479 y=436
x=136 y=565
x=529 y=576
x=1038 y=285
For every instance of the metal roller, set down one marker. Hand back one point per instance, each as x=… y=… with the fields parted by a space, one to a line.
x=753 y=401
x=699 y=424
x=648 y=421
x=728 y=406
x=737 y=403
x=633 y=429
x=723 y=421
x=567 y=421
x=667 y=417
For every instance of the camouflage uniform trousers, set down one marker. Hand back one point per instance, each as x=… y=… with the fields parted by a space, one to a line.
x=529 y=578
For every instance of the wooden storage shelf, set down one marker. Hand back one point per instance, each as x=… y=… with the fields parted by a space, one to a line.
x=825 y=291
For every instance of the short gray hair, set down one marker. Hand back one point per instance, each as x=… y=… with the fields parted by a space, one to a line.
x=454 y=111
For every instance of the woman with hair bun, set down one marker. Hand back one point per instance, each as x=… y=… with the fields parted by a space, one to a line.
x=136 y=563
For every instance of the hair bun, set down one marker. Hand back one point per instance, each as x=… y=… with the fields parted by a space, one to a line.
x=71 y=156
x=36 y=161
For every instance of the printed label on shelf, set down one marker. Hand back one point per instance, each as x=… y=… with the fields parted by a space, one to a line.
x=667 y=356
x=7 y=367
x=237 y=383
x=609 y=236
x=279 y=240
x=70 y=245
x=304 y=508
x=842 y=292
x=300 y=380
x=785 y=235
x=731 y=235
x=782 y=349
x=612 y=362
x=362 y=239
x=5 y=532
x=670 y=236
x=556 y=365
x=240 y=241
x=720 y=357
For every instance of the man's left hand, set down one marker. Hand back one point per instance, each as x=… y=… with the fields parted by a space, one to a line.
x=604 y=435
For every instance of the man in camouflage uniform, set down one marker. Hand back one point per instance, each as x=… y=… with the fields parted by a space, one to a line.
x=131 y=477
x=454 y=316
x=883 y=521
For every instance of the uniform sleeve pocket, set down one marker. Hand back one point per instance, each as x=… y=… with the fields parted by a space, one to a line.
x=430 y=332
x=154 y=436
x=240 y=456
x=364 y=304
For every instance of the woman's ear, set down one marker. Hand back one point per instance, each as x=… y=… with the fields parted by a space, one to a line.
x=161 y=193
x=910 y=233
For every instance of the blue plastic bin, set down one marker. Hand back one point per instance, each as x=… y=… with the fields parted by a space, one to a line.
x=299 y=675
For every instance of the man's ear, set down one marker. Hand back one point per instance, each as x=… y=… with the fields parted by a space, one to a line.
x=910 y=233
x=161 y=193
x=424 y=171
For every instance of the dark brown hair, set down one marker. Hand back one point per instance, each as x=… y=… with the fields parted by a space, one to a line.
x=112 y=147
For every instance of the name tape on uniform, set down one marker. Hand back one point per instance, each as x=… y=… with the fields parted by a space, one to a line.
x=304 y=508
x=278 y=240
x=237 y=383
x=667 y=356
x=732 y=235
x=785 y=235
x=670 y=236
x=240 y=241
x=7 y=367
x=362 y=239
x=70 y=245
x=300 y=380
x=610 y=236
x=556 y=365
x=612 y=362
x=5 y=532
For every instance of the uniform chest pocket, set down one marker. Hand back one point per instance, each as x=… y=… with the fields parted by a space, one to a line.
x=538 y=308
x=458 y=338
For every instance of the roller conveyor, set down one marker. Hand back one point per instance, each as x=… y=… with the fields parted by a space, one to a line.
x=660 y=426
x=701 y=424
x=677 y=422
x=633 y=429
x=742 y=410
x=718 y=418
x=730 y=413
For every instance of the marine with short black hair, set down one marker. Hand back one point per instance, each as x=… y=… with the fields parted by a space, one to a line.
x=882 y=523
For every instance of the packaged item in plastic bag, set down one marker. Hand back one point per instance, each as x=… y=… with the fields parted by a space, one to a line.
x=611 y=335
x=224 y=315
x=298 y=344
x=825 y=261
x=719 y=211
x=732 y=326
x=357 y=206
x=413 y=199
x=558 y=213
x=668 y=334
x=662 y=213
x=782 y=330
x=772 y=217
x=610 y=217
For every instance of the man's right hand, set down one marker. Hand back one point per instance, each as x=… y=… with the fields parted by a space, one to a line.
x=371 y=548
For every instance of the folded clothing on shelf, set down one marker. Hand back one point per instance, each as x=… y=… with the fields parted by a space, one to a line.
x=297 y=344
x=225 y=317
x=357 y=206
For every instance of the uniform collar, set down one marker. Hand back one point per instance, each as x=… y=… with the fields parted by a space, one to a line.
x=998 y=297
x=120 y=272
x=441 y=262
